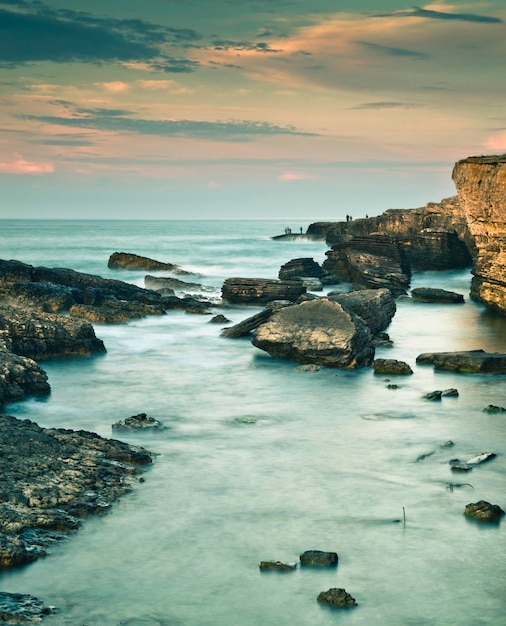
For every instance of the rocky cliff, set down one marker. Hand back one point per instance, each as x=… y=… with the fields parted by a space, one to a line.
x=481 y=187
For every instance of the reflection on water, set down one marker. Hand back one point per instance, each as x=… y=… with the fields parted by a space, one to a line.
x=262 y=461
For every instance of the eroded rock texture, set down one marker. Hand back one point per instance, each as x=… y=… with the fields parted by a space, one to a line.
x=481 y=187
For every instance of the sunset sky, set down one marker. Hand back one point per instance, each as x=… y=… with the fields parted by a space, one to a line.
x=243 y=108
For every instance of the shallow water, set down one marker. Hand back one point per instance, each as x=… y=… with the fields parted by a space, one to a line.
x=262 y=461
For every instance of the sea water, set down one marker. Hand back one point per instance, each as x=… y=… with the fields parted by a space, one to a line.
x=262 y=461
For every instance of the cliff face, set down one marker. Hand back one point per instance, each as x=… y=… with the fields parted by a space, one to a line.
x=481 y=187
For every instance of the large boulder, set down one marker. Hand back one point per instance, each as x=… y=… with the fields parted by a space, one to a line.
x=260 y=290
x=297 y=268
x=466 y=361
x=375 y=306
x=317 y=331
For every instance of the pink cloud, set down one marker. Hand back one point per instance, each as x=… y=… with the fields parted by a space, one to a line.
x=289 y=177
x=19 y=165
x=497 y=142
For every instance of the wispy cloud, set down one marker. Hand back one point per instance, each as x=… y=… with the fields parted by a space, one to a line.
x=386 y=105
x=395 y=52
x=19 y=165
x=443 y=15
x=115 y=120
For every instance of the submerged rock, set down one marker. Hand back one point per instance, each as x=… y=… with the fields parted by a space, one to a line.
x=317 y=331
x=137 y=423
x=168 y=284
x=129 y=261
x=337 y=598
x=277 y=566
x=492 y=408
x=430 y=294
x=319 y=558
x=483 y=511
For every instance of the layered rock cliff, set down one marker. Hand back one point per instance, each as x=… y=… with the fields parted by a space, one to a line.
x=481 y=187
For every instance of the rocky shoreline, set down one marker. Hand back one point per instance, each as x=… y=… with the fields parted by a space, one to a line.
x=55 y=478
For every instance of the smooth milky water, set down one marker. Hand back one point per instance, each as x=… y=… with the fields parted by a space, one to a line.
x=262 y=461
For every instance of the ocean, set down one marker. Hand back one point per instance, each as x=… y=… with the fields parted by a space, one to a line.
x=263 y=461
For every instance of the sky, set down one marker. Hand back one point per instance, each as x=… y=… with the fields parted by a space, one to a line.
x=304 y=109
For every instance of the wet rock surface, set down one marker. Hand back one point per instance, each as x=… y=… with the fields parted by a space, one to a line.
x=430 y=294
x=375 y=306
x=318 y=558
x=337 y=598
x=140 y=422
x=260 y=290
x=51 y=479
x=277 y=566
x=19 y=376
x=130 y=261
x=466 y=361
x=483 y=511
x=391 y=367
x=317 y=331
x=21 y=608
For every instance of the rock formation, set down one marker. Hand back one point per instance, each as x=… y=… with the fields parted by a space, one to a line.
x=431 y=294
x=260 y=290
x=481 y=187
x=483 y=511
x=298 y=268
x=317 y=331
x=129 y=261
x=19 y=376
x=337 y=598
x=466 y=361
x=375 y=306
x=51 y=479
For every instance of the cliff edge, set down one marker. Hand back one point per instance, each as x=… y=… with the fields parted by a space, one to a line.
x=481 y=188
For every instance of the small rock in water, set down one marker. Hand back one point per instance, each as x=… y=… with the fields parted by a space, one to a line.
x=450 y=393
x=481 y=458
x=391 y=367
x=317 y=558
x=277 y=566
x=337 y=598
x=20 y=608
x=492 y=408
x=309 y=367
x=447 y=444
x=138 y=422
x=392 y=386
x=424 y=456
x=219 y=319
x=433 y=395
x=245 y=420
x=484 y=511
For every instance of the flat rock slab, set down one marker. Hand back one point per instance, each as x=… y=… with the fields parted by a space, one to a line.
x=430 y=294
x=51 y=479
x=130 y=261
x=260 y=290
x=277 y=566
x=467 y=361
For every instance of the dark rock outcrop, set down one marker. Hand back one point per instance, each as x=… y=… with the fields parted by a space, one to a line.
x=129 y=261
x=318 y=558
x=430 y=294
x=467 y=361
x=19 y=376
x=277 y=566
x=375 y=306
x=297 y=268
x=483 y=511
x=43 y=336
x=317 y=331
x=51 y=479
x=21 y=608
x=260 y=290
x=391 y=367
x=337 y=598
x=481 y=188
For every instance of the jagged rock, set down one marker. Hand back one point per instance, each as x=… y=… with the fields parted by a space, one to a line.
x=318 y=331
x=318 y=558
x=337 y=598
x=375 y=306
x=300 y=267
x=481 y=188
x=435 y=250
x=140 y=422
x=492 y=408
x=429 y=294
x=21 y=608
x=251 y=323
x=51 y=478
x=42 y=336
x=129 y=261
x=466 y=361
x=483 y=511
x=391 y=366
x=277 y=566
x=19 y=376
x=260 y=290
x=164 y=283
